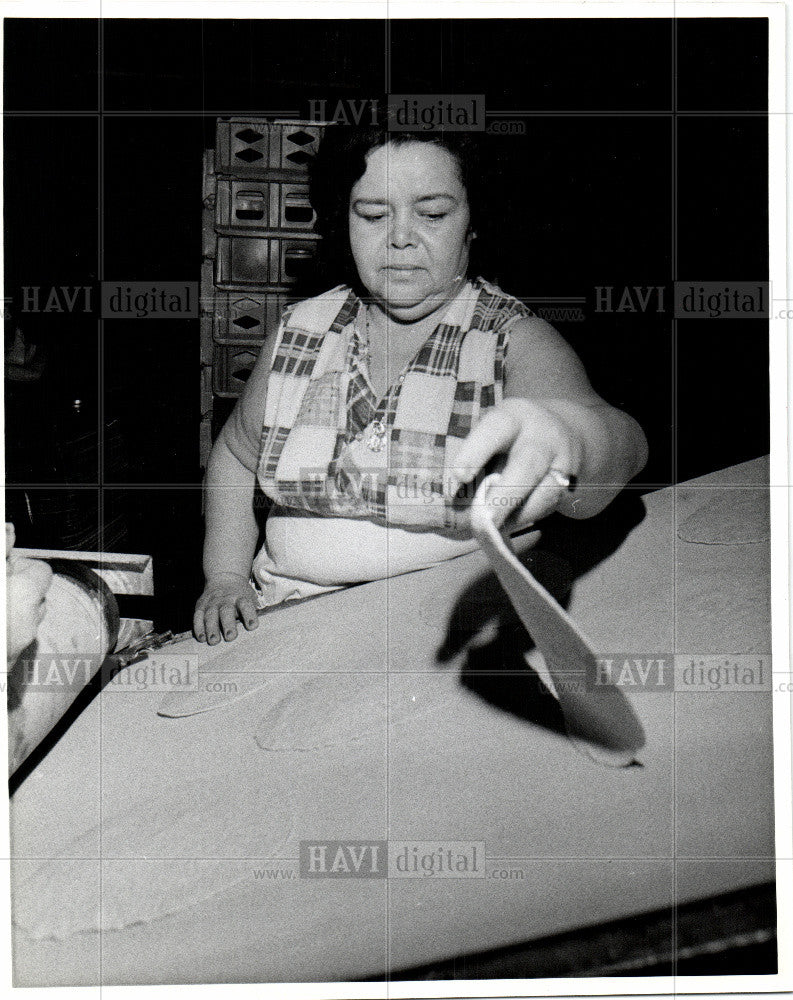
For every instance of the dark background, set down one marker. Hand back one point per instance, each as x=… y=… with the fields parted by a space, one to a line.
x=644 y=135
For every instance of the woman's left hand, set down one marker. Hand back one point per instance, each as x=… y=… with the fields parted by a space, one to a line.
x=543 y=450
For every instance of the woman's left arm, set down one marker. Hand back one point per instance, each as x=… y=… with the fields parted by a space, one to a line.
x=551 y=419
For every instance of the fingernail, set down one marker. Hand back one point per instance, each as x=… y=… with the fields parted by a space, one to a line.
x=200 y=636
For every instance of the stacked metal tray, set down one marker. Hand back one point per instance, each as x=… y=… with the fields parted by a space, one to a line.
x=258 y=243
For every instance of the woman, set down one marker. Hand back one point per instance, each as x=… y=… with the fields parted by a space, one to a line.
x=381 y=401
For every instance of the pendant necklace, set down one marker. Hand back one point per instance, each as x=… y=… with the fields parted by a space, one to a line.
x=377 y=431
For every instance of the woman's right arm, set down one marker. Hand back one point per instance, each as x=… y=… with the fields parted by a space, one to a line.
x=232 y=530
x=229 y=547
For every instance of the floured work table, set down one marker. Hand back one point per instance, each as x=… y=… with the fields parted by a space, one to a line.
x=198 y=818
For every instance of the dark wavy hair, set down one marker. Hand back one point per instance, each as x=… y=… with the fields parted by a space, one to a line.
x=341 y=161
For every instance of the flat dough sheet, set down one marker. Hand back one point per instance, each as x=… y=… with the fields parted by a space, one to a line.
x=232 y=671
x=601 y=844
x=161 y=856
x=736 y=516
x=332 y=710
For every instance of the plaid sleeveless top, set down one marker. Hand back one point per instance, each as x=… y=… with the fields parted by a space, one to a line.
x=331 y=447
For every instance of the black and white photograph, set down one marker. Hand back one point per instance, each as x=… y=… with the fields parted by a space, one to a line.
x=396 y=499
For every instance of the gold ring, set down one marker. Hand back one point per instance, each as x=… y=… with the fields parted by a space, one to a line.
x=561 y=478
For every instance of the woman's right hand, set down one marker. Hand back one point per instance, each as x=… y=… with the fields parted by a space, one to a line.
x=227 y=597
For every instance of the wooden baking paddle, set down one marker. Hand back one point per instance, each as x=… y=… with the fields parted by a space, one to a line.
x=599 y=718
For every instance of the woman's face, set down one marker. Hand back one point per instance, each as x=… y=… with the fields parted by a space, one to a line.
x=409 y=227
